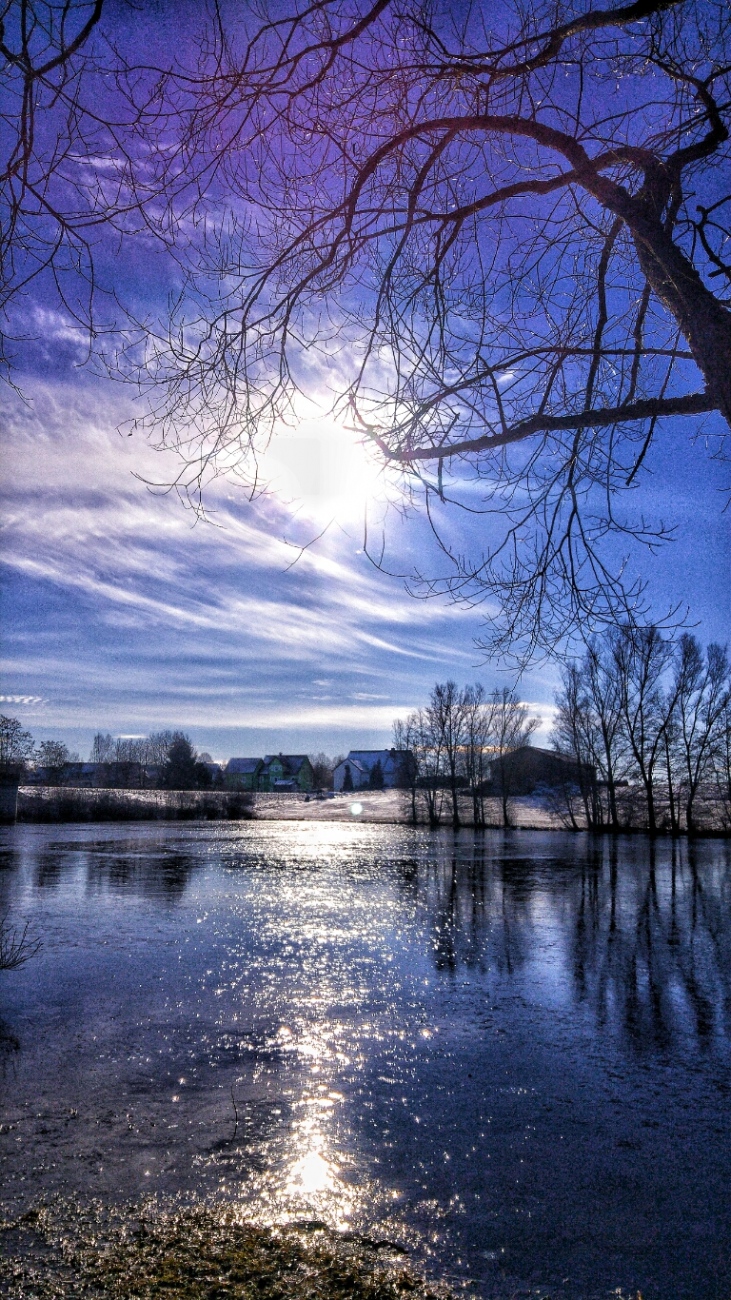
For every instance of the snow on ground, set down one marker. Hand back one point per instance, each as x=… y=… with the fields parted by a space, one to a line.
x=390 y=806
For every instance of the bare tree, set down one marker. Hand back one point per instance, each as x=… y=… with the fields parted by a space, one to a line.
x=405 y=738
x=446 y=713
x=16 y=744
x=604 y=691
x=702 y=693
x=477 y=739
x=510 y=727
x=506 y=234
x=54 y=756
x=643 y=707
x=53 y=134
x=322 y=770
x=589 y=727
x=641 y=657
x=574 y=733
x=158 y=744
x=80 y=97
x=419 y=735
x=102 y=749
x=722 y=760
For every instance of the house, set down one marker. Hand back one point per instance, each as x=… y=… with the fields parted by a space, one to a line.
x=525 y=769
x=243 y=773
x=374 y=769
x=286 y=772
x=127 y=774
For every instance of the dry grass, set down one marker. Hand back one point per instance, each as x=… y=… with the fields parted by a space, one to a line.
x=65 y=1252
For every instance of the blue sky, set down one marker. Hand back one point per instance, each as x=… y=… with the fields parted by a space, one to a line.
x=122 y=613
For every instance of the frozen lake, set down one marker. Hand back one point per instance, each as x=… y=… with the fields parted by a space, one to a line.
x=509 y=1052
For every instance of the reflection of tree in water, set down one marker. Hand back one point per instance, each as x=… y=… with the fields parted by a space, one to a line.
x=9 y=863
x=480 y=915
x=162 y=875
x=643 y=930
x=49 y=869
x=159 y=871
x=652 y=944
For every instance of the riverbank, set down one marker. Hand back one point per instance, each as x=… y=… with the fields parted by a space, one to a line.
x=378 y=807
x=393 y=808
x=204 y=1253
x=45 y=803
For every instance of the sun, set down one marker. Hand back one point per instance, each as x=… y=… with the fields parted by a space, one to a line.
x=323 y=470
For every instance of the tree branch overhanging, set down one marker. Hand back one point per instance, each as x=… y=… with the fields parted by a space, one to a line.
x=652 y=408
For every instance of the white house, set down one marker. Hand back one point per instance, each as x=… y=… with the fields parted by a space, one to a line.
x=373 y=768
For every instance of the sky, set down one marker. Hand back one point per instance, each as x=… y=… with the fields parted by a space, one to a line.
x=122 y=612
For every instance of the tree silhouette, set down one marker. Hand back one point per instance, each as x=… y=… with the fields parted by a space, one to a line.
x=505 y=234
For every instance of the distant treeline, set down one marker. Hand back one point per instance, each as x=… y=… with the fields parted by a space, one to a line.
x=164 y=760
x=647 y=719
x=459 y=743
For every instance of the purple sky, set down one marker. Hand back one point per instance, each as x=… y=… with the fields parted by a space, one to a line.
x=121 y=613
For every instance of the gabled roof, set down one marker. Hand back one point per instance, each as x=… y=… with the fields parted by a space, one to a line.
x=290 y=762
x=367 y=758
x=243 y=766
x=352 y=762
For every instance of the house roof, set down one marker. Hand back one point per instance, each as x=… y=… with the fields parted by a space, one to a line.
x=367 y=758
x=290 y=762
x=535 y=751
x=352 y=762
x=243 y=766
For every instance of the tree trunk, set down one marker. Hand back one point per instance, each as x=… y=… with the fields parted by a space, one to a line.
x=453 y=790
x=611 y=788
x=690 y=806
x=704 y=322
x=674 y=828
x=650 y=797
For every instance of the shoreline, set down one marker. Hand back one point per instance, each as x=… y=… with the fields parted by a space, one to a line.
x=39 y=805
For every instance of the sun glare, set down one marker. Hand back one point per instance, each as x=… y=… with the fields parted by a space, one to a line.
x=323 y=471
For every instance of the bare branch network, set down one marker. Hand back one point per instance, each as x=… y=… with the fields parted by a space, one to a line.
x=499 y=246
x=508 y=242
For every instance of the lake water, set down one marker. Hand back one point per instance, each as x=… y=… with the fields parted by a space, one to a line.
x=509 y=1052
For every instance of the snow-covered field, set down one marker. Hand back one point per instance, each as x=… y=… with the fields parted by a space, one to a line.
x=389 y=806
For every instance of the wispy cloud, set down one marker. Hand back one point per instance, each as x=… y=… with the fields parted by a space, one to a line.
x=31 y=701
x=131 y=615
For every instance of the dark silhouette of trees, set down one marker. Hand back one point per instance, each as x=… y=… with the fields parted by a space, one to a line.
x=16 y=744
x=322 y=770
x=447 y=722
x=477 y=737
x=512 y=226
x=454 y=742
x=182 y=769
x=423 y=740
x=54 y=756
x=650 y=714
x=510 y=727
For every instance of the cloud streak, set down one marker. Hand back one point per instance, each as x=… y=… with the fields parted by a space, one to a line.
x=129 y=615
